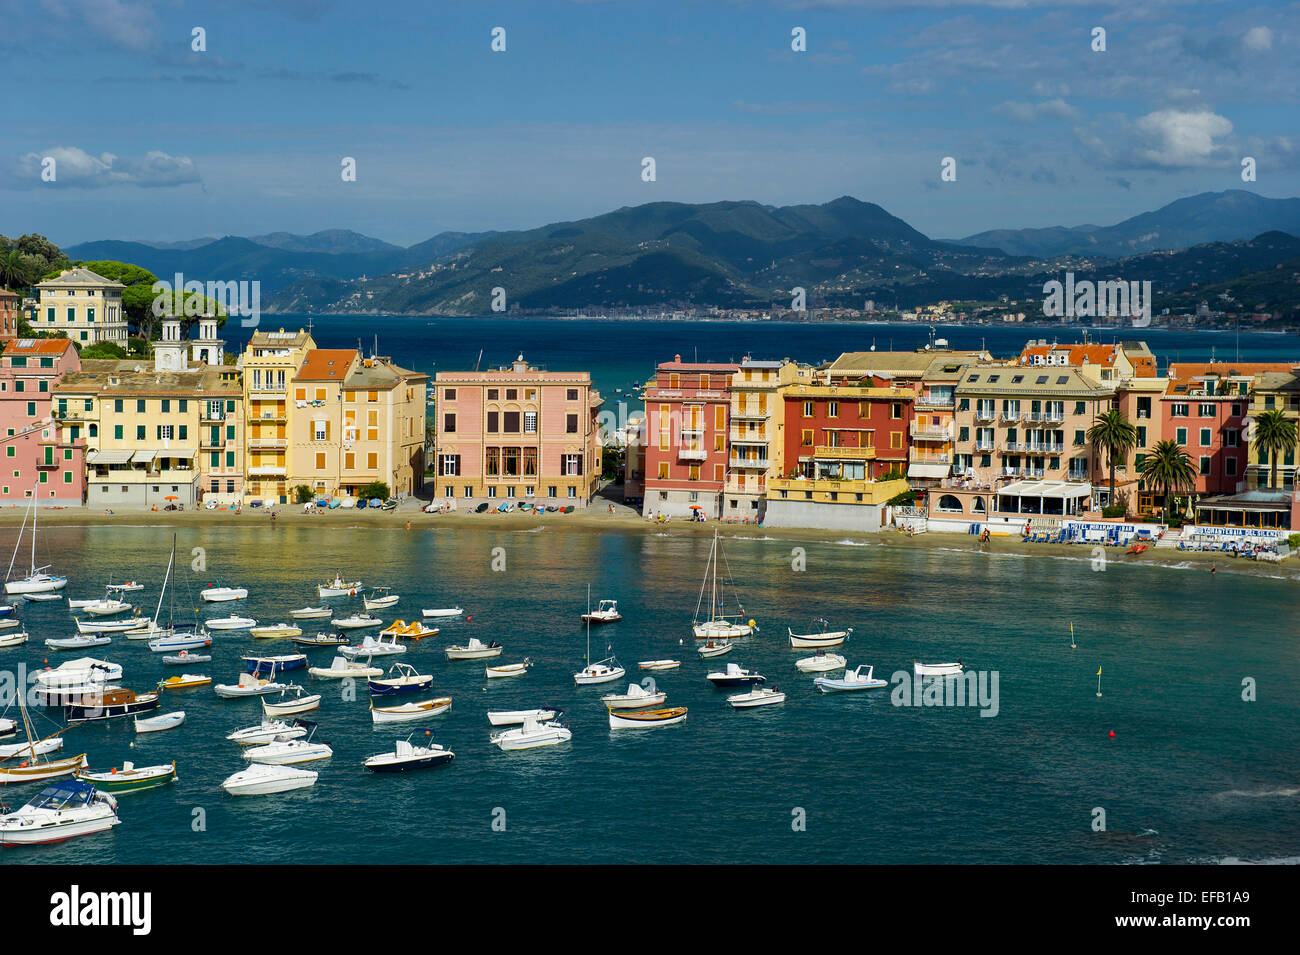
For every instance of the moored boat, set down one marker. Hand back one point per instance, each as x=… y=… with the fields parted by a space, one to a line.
x=341 y=668
x=516 y=717
x=820 y=663
x=854 y=679
x=311 y=613
x=293 y=699
x=408 y=631
x=322 y=640
x=820 y=634
x=276 y=663
x=406 y=712
x=430 y=614
x=735 y=675
x=13 y=638
x=759 y=696
x=508 y=670
x=249 y=685
x=716 y=648
x=357 y=621
x=373 y=647
x=531 y=735
x=646 y=719
x=185 y=681
x=637 y=697
x=82 y=641
x=110 y=704
x=158 y=724
x=62 y=811
x=715 y=623
x=266 y=731
x=283 y=752
x=180 y=641
x=401 y=678
x=659 y=664
x=263 y=780
x=936 y=669
x=232 y=622
x=339 y=587
x=275 y=631
x=214 y=593
x=185 y=657
x=406 y=756
x=379 y=598
x=606 y=612
x=474 y=649
x=130 y=778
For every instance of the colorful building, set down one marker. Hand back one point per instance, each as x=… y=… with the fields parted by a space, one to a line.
x=517 y=433
x=269 y=363
x=687 y=420
x=1274 y=391
x=39 y=455
x=82 y=305
x=10 y=314
x=755 y=437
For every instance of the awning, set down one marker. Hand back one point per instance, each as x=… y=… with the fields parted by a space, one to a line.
x=928 y=470
x=108 y=457
x=1054 y=489
x=144 y=457
x=178 y=452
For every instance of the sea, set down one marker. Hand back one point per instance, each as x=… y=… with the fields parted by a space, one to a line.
x=621 y=354
x=1165 y=734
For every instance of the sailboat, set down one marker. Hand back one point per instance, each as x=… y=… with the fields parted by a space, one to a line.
x=715 y=624
x=607 y=670
x=168 y=639
x=36 y=581
x=33 y=767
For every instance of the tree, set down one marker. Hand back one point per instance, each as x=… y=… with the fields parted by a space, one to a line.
x=302 y=494
x=104 y=350
x=16 y=270
x=374 y=489
x=1274 y=433
x=1168 y=467
x=1114 y=434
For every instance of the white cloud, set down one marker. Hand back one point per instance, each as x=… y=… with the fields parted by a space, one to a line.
x=1028 y=112
x=1178 y=138
x=76 y=168
x=1258 y=38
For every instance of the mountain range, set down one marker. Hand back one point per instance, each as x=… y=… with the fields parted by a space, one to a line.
x=730 y=254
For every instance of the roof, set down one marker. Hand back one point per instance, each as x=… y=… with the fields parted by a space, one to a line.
x=377 y=374
x=702 y=366
x=280 y=337
x=1228 y=369
x=897 y=363
x=943 y=369
x=112 y=377
x=1058 y=380
x=326 y=364
x=78 y=276
x=1091 y=353
x=38 y=346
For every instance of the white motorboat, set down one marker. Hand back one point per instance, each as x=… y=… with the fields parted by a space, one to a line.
x=531 y=735
x=185 y=657
x=637 y=697
x=219 y=594
x=716 y=648
x=606 y=612
x=338 y=587
x=263 y=780
x=820 y=663
x=322 y=640
x=232 y=622
x=407 y=712
x=7 y=728
x=127 y=587
x=442 y=612
x=61 y=811
x=515 y=717
x=293 y=699
x=714 y=623
x=759 y=696
x=379 y=599
x=283 y=752
x=606 y=671
x=311 y=613
x=406 y=756
x=646 y=719
x=80 y=672
x=186 y=681
x=106 y=607
x=735 y=675
x=341 y=668
x=357 y=621
x=248 y=685
x=401 y=678
x=659 y=664
x=508 y=670
x=37 y=582
x=13 y=638
x=51 y=744
x=374 y=647
x=819 y=634
x=180 y=641
x=275 y=631
x=936 y=669
x=854 y=679
x=156 y=724
x=266 y=731
x=83 y=641
x=475 y=649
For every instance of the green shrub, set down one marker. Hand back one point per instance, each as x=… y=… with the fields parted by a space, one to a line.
x=1114 y=510
x=302 y=494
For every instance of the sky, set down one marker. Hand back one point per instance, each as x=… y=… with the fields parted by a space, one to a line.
x=157 y=141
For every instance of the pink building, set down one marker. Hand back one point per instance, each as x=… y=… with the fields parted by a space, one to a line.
x=688 y=413
x=516 y=434
x=35 y=456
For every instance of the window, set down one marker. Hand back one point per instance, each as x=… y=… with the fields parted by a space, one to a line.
x=695 y=472
x=834 y=409
x=1079 y=408
x=663 y=471
x=717 y=472
x=807 y=409
x=511 y=421
x=1236 y=409
x=1063 y=380
x=1205 y=465
x=573 y=491
x=896 y=411
x=530 y=422
x=449 y=423
x=572 y=395
x=1231 y=439
x=1041 y=380
x=139 y=432
x=320 y=460
x=1230 y=467
x=1078 y=438
x=1205 y=411
x=139 y=406
x=492 y=462
x=372 y=461
x=319 y=430
x=493 y=422
x=571 y=465
x=571 y=424
x=1180 y=435
x=1179 y=410
x=449 y=394
x=166 y=406
x=806 y=438
x=117 y=432
x=494 y=394
x=1142 y=436
x=1205 y=437
x=895 y=440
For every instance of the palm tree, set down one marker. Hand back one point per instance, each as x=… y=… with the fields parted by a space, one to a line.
x=1274 y=433
x=15 y=270
x=1114 y=434
x=1169 y=467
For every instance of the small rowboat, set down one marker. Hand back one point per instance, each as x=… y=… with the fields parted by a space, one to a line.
x=509 y=669
x=13 y=639
x=130 y=778
x=380 y=599
x=820 y=663
x=518 y=717
x=443 y=612
x=30 y=771
x=645 y=719
x=274 y=631
x=311 y=613
x=185 y=657
x=402 y=678
x=185 y=681
x=407 y=712
x=81 y=642
x=825 y=637
x=48 y=745
x=716 y=648
x=475 y=649
x=936 y=669
x=293 y=699
x=760 y=696
x=130 y=585
x=156 y=724
x=659 y=664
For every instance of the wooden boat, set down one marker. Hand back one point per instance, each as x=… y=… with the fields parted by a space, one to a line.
x=508 y=670
x=110 y=626
x=406 y=712
x=13 y=639
x=402 y=678
x=293 y=699
x=33 y=765
x=185 y=681
x=474 y=649
x=379 y=599
x=82 y=641
x=130 y=778
x=820 y=663
x=659 y=664
x=405 y=756
x=157 y=724
x=51 y=744
x=322 y=640
x=936 y=669
x=338 y=587
x=10 y=624
x=822 y=637
x=442 y=612
x=646 y=719
x=275 y=631
x=716 y=648
x=110 y=704
x=516 y=717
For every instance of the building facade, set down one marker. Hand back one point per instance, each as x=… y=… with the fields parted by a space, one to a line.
x=269 y=363
x=82 y=305
x=40 y=457
x=755 y=436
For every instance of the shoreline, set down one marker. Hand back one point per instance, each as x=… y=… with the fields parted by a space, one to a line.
x=624 y=519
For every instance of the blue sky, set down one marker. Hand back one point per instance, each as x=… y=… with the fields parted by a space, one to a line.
x=154 y=141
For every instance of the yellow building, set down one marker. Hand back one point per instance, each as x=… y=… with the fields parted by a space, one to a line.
x=354 y=421
x=1273 y=391
x=83 y=305
x=269 y=363
x=755 y=438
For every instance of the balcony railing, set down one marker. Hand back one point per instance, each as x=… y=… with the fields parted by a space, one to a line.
x=922 y=458
x=268 y=442
x=844 y=454
x=750 y=414
x=984 y=445
x=930 y=433
x=984 y=414
x=748 y=437
x=737 y=461
x=1011 y=417
x=692 y=454
x=925 y=401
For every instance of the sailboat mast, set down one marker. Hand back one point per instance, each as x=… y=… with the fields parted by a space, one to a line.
x=714 y=556
x=35 y=511
x=18 y=543
x=166 y=577
x=27 y=724
x=588 y=624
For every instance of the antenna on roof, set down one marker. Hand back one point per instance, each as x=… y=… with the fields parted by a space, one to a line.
x=480 y=359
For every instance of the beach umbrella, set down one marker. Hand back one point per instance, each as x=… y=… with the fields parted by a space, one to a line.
x=171 y=497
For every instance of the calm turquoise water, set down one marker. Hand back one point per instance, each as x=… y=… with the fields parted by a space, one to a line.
x=1192 y=774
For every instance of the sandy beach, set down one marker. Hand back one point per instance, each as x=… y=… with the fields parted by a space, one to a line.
x=624 y=519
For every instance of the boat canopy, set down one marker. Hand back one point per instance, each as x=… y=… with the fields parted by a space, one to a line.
x=64 y=795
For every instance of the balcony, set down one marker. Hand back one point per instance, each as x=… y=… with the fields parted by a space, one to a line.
x=272 y=443
x=1011 y=417
x=937 y=404
x=1013 y=447
x=985 y=414
x=923 y=458
x=748 y=437
x=47 y=465
x=844 y=454
x=930 y=433
x=210 y=418
x=749 y=414
x=691 y=431
x=267 y=470
x=737 y=461
x=1038 y=447
x=982 y=445
x=1054 y=417
x=691 y=454
x=744 y=485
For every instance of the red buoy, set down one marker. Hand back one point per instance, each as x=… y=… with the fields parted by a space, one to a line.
x=1112 y=734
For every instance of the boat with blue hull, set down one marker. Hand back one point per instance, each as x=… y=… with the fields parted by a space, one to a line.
x=274 y=664
x=402 y=678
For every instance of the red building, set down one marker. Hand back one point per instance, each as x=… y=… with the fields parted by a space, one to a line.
x=849 y=432
x=10 y=306
x=1205 y=415
x=687 y=417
